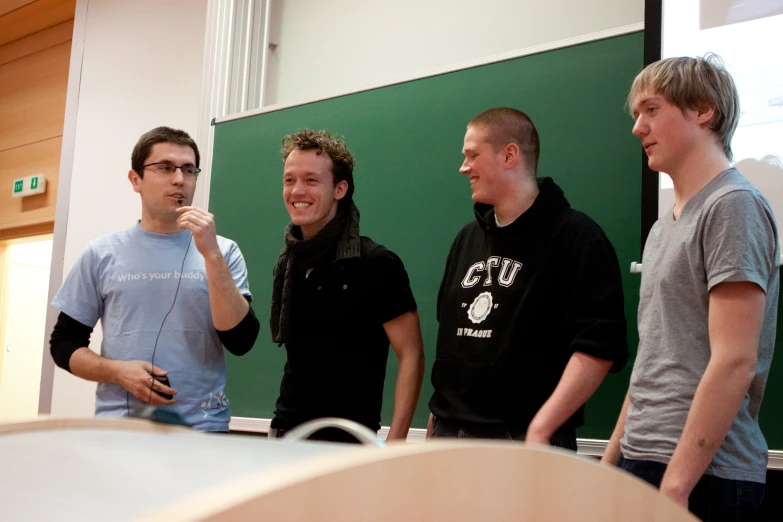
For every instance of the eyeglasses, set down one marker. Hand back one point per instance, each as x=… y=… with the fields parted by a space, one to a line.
x=166 y=168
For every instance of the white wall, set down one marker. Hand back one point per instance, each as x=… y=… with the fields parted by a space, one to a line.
x=142 y=67
x=324 y=47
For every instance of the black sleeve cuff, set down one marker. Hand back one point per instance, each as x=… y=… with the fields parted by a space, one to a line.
x=68 y=336
x=241 y=338
x=592 y=294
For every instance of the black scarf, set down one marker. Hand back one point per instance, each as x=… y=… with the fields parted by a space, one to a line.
x=339 y=238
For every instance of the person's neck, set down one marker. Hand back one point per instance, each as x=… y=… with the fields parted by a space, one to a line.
x=159 y=226
x=309 y=232
x=517 y=200
x=693 y=174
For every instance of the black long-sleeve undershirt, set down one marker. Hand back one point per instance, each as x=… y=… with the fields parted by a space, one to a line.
x=69 y=335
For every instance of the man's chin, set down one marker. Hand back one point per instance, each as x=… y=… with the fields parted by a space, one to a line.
x=653 y=165
x=478 y=198
x=300 y=221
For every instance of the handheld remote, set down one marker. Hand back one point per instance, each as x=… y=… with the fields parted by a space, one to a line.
x=165 y=381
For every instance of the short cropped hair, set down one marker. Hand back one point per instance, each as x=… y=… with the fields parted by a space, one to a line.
x=144 y=146
x=504 y=125
x=322 y=142
x=693 y=83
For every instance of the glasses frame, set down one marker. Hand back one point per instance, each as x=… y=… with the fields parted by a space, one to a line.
x=195 y=168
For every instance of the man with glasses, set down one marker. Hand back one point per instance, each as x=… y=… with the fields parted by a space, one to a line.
x=168 y=291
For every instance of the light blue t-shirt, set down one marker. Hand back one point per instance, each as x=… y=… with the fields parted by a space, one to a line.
x=128 y=280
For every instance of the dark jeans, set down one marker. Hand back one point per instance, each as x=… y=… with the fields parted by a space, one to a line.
x=326 y=434
x=713 y=499
x=563 y=438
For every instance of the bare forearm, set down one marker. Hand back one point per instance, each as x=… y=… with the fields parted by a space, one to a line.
x=134 y=376
x=582 y=376
x=90 y=366
x=715 y=405
x=612 y=452
x=410 y=373
x=228 y=304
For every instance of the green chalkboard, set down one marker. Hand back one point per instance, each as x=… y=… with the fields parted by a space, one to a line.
x=407 y=140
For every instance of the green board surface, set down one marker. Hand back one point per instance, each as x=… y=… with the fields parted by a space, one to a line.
x=407 y=140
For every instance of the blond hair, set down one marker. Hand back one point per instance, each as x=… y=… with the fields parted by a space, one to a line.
x=695 y=83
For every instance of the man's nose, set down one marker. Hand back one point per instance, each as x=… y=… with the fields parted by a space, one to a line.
x=639 y=128
x=177 y=177
x=299 y=188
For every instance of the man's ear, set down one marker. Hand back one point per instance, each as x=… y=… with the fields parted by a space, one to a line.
x=511 y=155
x=705 y=114
x=340 y=190
x=135 y=180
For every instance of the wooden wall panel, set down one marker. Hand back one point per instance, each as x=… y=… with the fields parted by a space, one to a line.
x=35 y=51
x=34 y=17
x=37 y=158
x=6 y=6
x=39 y=41
x=32 y=96
x=26 y=231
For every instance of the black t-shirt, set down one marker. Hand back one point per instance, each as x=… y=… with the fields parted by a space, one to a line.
x=514 y=305
x=338 y=347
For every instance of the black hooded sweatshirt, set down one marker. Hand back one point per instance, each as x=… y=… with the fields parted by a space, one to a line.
x=515 y=303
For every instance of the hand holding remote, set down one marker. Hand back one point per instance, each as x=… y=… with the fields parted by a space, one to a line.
x=141 y=379
x=165 y=381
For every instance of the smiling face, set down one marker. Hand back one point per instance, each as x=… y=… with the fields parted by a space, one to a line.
x=309 y=192
x=484 y=166
x=668 y=134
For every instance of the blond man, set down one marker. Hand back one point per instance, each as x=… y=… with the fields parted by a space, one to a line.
x=708 y=302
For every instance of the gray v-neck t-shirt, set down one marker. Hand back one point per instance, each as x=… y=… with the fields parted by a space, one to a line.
x=726 y=232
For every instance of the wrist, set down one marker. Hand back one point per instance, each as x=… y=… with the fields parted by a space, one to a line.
x=214 y=255
x=539 y=430
x=394 y=432
x=611 y=453
x=672 y=486
x=113 y=371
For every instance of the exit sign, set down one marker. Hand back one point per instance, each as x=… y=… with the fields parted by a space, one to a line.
x=29 y=186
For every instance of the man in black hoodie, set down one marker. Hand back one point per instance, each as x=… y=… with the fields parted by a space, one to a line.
x=531 y=303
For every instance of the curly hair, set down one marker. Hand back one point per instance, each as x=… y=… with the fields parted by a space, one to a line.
x=323 y=142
